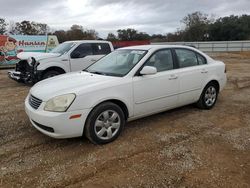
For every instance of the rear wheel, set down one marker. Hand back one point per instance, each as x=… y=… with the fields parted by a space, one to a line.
x=50 y=73
x=208 y=97
x=104 y=123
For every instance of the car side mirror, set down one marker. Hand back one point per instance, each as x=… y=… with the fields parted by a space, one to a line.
x=148 y=70
x=75 y=55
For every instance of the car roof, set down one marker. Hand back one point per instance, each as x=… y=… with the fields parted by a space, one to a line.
x=88 y=41
x=155 y=47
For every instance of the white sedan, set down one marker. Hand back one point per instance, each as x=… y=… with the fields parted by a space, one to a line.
x=127 y=84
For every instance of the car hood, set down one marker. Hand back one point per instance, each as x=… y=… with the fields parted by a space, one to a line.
x=75 y=82
x=37 y=55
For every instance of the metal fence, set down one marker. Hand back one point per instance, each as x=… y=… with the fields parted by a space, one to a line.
x=216 y=46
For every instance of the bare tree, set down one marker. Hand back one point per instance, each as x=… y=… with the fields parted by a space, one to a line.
x=12 y=28
x=3 y=26
x=31 y=28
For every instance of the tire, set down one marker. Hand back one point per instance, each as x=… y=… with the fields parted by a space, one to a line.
x=105 y=123
x=50 y=73
x=208 y=96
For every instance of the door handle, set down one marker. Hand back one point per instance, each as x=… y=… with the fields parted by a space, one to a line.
x=204 y=71
x=173 y=77
x=93 y=60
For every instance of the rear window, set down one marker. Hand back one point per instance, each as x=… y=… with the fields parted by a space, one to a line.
x=201 y=59
x=101 y=48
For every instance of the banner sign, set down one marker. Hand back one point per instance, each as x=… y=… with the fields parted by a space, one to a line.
x=11 y=45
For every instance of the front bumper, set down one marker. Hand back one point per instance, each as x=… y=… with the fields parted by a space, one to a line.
x=56 y=124
x=26 y=73
x=25 y=77
x=15 y=75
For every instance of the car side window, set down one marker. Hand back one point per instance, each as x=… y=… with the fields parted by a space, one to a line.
x=201 y=59
x=82 y=50
x=161 y=60
x=101 y=48
x=186 y=58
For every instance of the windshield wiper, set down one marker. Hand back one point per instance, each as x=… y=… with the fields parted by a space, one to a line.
x=96 y=72
x=103 y=73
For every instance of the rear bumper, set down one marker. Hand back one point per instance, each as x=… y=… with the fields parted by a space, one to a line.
x=223 y=82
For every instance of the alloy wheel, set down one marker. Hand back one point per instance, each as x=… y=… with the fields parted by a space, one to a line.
x=210 y=95
x=107 y=124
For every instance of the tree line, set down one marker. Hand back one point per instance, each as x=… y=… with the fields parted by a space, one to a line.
x=197 y=26
x=201 y=27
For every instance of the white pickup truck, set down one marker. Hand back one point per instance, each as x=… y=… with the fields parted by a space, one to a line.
x=69 y=56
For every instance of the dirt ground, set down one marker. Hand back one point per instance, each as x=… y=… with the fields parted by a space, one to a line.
x=186 y=147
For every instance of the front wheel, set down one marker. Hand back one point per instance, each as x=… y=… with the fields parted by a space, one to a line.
x=104 y=123
x=208 y=97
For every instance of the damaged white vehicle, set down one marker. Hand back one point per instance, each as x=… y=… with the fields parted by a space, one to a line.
x=67 y=57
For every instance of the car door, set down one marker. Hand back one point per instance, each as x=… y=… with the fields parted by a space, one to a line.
x=82 y=57
x=154 y=93
x=192 y=74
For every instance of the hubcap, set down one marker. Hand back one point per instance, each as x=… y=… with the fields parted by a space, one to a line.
x=107 y=124
x=210 y=96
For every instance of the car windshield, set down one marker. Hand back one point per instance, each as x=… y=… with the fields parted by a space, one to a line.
x=63 y=48
x=117 y=63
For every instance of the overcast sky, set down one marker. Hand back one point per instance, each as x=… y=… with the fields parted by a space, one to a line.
x=151 y=16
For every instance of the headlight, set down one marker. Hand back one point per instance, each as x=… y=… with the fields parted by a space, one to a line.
x=59 y=103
